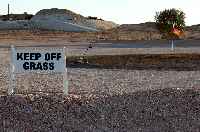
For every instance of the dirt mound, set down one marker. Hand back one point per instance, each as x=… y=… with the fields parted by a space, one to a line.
x=62 y=20
x=67 y=16
x=54 y=11
x=99 y=23
x=193 y=28
x=148 y=26
x=193 y=32
x=104 y=25
x=58 y=20
x=143 y=31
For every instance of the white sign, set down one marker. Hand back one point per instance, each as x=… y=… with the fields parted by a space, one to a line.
x=38 y=60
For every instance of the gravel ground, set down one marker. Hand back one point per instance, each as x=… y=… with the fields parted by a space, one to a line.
x=103 y=100
x=74 y=51
x=111 y=81
x=150 y=111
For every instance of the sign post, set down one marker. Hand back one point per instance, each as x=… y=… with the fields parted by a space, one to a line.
x=172 y=45
x=38 y=60
x=65 y=81
x=12 y=72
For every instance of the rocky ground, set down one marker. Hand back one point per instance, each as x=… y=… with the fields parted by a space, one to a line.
x=105 y=100
x=149 y=111
x=114 y=82
x=102 y=100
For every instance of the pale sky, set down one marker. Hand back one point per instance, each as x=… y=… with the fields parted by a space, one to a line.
x=119 y=11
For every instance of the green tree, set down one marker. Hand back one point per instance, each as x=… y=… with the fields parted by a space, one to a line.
x=171 y=22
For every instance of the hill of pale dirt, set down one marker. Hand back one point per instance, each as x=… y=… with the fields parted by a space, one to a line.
x=58 y=20
x=148 y=26
x=69 y=16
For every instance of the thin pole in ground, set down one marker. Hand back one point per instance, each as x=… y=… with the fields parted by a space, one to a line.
x=12 y=72
x=172 y=45
x=65 y=79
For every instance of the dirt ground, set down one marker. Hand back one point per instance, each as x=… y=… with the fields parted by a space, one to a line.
x=148 y=111
x=106 y=100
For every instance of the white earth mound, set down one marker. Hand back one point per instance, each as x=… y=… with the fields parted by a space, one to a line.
x=60 y=20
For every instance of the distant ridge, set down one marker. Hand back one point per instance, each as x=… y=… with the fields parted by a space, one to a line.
x=148 y=26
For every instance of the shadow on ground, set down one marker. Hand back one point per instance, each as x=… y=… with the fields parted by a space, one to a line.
x=176 y=62
x=152 y=111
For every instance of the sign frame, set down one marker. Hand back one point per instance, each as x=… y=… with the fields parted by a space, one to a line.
x=13 y=68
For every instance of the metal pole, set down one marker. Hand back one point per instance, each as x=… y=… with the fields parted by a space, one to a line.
x=65 y=79
x=172 y=46
x=12 y=72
